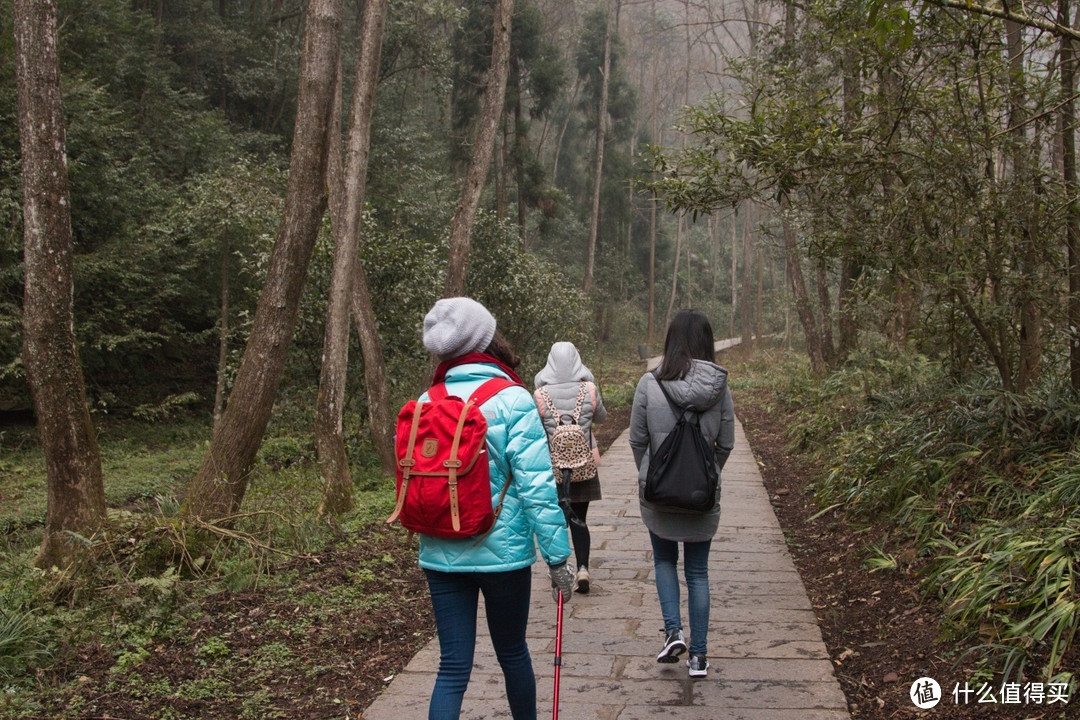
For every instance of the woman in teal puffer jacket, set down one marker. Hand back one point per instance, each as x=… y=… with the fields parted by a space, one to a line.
x=462 y=333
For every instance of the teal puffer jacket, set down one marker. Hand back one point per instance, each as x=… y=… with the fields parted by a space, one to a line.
x=517 y=446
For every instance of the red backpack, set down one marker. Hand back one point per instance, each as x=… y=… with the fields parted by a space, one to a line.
x=443 y=481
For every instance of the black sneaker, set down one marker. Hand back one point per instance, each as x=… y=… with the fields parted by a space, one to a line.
x=698 y=664
x=674 y=646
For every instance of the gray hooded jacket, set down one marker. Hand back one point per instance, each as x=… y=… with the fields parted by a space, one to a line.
x=704 y=389
x=562 y=377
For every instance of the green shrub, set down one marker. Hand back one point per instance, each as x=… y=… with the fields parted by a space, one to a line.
x=21 y=642
x=982 y=484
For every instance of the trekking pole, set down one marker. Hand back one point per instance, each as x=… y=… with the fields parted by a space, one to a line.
x=558 y=658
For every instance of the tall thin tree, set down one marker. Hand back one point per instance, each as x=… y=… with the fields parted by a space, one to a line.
x=746 y=309
x=76 y=494
x=348 y=188
x=219 y=486
x=491 y=110
x=1072 y=210
x=1030 y=346
x=598 y=162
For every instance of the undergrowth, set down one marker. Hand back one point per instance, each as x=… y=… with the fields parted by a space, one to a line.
x=981 y=486
x=143 y=578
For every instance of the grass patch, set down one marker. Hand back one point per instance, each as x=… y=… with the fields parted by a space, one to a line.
x=139 y=462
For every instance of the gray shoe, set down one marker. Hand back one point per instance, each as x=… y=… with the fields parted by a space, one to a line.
x=674 y=646
x=581 y=583
x=698 y=664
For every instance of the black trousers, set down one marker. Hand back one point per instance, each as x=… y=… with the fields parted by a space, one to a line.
x=575 y=513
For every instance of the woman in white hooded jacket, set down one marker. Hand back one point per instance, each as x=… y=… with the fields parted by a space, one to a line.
x=562 y=380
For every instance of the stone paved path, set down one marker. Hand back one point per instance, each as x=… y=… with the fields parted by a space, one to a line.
x=768 y=661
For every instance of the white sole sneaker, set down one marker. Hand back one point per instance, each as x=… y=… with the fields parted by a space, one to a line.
x=582 y=583
x=673 y=648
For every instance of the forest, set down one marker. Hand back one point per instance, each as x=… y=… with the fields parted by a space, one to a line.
x=222 y=223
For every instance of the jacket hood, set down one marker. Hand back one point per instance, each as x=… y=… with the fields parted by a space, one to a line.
x=701 y=388
x=563 y=365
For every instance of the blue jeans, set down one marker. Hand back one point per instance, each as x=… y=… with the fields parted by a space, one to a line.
x=696 y=569
x=454 y=597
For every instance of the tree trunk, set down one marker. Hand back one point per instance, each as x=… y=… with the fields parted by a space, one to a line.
x=825 y=301
x=347 y=215
x=675 y=272
x=650 y=334
x=1072 y=210
x=499 y=157
x=380 y=412
x=598 y=168
x=798 y=290
x=746 y=308
x=759 y=313
x=714 y=256
x=488 y=123
x=629 y=247
x=76 y=494
x=521 y=142
x=735 y=272
x=846 y=326
x=223 y=333
x=562 y=131
x=1030 y=341
x=218 y=488
x=337 y=494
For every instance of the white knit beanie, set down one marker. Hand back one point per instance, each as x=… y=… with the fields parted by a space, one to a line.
x=458 y=326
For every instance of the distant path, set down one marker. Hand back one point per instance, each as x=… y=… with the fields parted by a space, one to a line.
x=654 y=362
x=768 y=659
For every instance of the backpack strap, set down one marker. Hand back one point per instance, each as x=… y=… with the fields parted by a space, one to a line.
x=453 y=464
x=481 y=395
x=406 y=464
x=489 y=389
x=580 y=401
x=682 y=410
x=545 y=396
x=437 y=392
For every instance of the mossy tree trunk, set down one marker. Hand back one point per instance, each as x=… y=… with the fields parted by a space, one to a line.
x=76 y=494
x=348 y=281
x=219 y=486
x=488 y=123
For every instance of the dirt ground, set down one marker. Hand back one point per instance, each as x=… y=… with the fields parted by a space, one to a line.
x=285 y=652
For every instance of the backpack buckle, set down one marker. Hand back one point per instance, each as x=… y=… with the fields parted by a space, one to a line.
x=455 y=463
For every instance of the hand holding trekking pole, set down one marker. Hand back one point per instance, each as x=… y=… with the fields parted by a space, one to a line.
x=562 y=579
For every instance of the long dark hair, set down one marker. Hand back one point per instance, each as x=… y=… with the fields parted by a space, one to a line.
x=500 y=348
x=689 y=337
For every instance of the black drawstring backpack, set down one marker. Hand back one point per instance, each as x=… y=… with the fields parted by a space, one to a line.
x=682 y=472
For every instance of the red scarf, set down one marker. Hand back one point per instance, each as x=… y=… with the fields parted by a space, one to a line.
x=440 y=372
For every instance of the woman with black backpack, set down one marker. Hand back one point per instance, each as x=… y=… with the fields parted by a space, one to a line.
x=688 y=384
